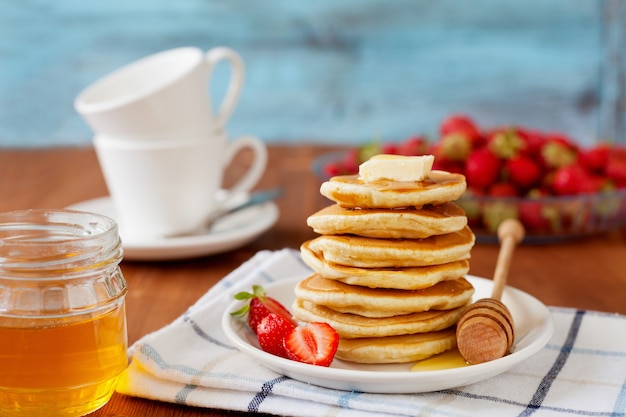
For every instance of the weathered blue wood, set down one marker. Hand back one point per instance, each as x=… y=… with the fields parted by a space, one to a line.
x=331 y=71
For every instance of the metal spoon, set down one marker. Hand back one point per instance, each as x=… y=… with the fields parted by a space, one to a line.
x=258 y=197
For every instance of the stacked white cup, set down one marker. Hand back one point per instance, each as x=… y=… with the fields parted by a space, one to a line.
x=161 y=145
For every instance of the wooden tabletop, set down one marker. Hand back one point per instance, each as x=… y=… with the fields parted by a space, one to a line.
x=586 y=273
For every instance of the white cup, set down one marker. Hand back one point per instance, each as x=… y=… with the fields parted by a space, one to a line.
x=164 y=188
x=161 y=96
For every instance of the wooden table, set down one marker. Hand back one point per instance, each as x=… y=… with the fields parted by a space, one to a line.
x=586 y=274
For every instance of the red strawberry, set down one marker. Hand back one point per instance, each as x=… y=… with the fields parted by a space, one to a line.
x=271 y=334
x=533 y=141
x=502 y=189
x=260 y=305
x=455 y=146
x=481 y=168
x=571 y=179
x=506 y=143
x=531 y=216
x=351 y=162
x=523 y=171
x=558 y=151
x=315 y=343
x=413 y=146
x=332 y=169
x=460 y=124
x=616 y=167
x=595 y=158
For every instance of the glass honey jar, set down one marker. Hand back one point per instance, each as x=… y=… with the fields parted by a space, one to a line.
x=63 y=333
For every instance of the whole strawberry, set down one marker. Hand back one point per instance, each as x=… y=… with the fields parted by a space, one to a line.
x=523 y=171
x=259 y=306
x=573 y=179
x=461 y=125
x=481 y=168
x=271 y=333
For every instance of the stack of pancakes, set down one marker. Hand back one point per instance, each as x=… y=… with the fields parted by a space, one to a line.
x=389 y=267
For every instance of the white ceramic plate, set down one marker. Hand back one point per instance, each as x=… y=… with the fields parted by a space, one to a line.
x=231 y=231
x=534 y=327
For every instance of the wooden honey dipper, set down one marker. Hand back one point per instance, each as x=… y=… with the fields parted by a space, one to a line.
x=485 y=331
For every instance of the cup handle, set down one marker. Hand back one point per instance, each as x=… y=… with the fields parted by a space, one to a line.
x=212 y=57
x=256 y=170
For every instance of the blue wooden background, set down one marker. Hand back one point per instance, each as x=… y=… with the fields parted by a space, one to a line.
x=331 y=71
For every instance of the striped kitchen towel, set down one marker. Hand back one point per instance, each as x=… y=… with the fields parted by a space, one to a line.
x=581 y=371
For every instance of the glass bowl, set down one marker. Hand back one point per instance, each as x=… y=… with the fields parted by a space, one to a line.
x=546 y=219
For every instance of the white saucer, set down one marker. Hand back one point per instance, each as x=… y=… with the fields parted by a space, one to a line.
x=231 y=231
x=533 y=325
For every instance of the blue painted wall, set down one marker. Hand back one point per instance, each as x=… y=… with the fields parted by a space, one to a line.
x=331 y=71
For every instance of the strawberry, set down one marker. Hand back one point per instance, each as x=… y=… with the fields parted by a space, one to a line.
x=481 y=168
x=570 y=179
x=332 y=169
x=506 y=143
x=616 y=167
x=595 y=158
x=314 y=343
x=502 y=189
x=271 y=333
x=496 y=212
x=531 y=215
x=260 y=305
x=455 y=146
x=460 y=124
x=415 y=145
x=523 y=171
x=533 y=140
x=351 y=162
x=558 y=151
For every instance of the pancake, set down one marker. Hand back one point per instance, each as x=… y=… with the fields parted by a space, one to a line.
x=396 y=349
x=383 y=302
x=364 y=252
x=349 y=191
x=355 y=326
x=410 y=278
x=407 y=223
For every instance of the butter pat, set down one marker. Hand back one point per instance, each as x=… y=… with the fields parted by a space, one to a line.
x=396 y=168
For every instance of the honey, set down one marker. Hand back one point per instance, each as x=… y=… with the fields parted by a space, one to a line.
x=62 y=313
x=70 y=363
x=449 y=359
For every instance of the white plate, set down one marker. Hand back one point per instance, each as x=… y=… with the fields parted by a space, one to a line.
x=533 y=323
x=231 y=231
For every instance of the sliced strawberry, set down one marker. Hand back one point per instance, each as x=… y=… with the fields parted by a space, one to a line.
x=260 y=305
x=315 y=343
x=271 y=333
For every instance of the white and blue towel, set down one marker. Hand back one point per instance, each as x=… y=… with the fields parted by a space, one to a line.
x=580 y=372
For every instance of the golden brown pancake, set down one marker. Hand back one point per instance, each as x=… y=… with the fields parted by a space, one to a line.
x=383 y=302
x=407 y=223
x=411 y=278
x=349 y=191
x=364 y=252
x=356 y=326
x=396 y=349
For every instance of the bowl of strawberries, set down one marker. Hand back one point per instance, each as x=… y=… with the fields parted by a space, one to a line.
x=555 y=187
